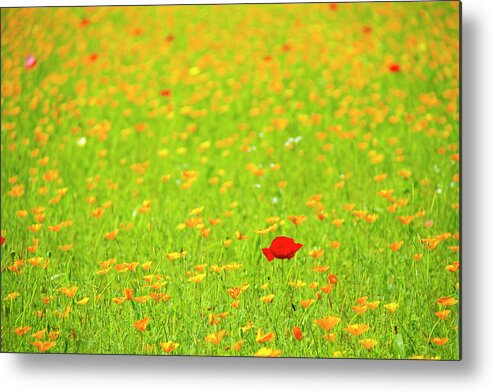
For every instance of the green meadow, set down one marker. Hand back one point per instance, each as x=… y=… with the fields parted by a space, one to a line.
x=150 y=154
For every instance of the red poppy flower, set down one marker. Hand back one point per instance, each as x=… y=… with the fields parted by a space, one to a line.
x=3 y=240
x=281 y=248
x=170 y=38
x=394 y=67
x=165 y=93
x=85 y=22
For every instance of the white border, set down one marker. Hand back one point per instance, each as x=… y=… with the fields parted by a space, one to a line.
x=142 y=374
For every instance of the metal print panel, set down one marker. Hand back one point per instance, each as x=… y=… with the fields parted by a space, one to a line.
x=235 y=180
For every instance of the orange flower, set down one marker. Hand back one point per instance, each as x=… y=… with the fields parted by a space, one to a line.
x=298 y=335
x=335 y=244
x=111 y=235
x=197 y=278
x=406 y=219
x=349 y=206
x=328 y=323
x=268 y=352
x=160 y=297
x=240 y=236
x=297 y=220
x=128 y=293
x=446 y=301
x=418 y=256
x=327 y=289
x=141 y=325
x=306 y=303
x=430 y=243
x=21 y=331
x=215 y=338
x=235 y=304
x=332 y=278
x=380 y=177
x=316 y=253
x=267 y=299
x=443 y=314
x=22 y=213
x=234 y=292
x=386 y=193
x=53 y=335
x=356 y=329
x=330 y=337
x=16 y=191
x=40 y=334
x=12 y=296
x=35 y=228
x=373 y=305
x=338 y=222
x=262 y=338
x=396 y=245
x=169 y=346
x=360 y=309
x=69 y=292
x=237 y=346
x=439 y=341
x=97 y=213
x=452 y=267
x=321 y=268
x=368 y=343
x=362 y=300
x=43 y=346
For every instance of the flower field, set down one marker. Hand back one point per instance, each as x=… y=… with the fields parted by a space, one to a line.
x=240 y=180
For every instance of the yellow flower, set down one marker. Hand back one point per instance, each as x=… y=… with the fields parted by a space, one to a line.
x=169 y=346
x=268 y=352
x=392 y=307
x=267 y=299
x=215 y=338
x=197 y=278
x=83 y=301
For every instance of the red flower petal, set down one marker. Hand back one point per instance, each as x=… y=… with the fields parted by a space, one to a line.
x=394 y=67
x=267 y=253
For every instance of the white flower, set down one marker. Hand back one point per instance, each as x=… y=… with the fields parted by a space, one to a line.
x=82 y=141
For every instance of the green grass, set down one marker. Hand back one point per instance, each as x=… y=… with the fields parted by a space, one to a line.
x=243 y=81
